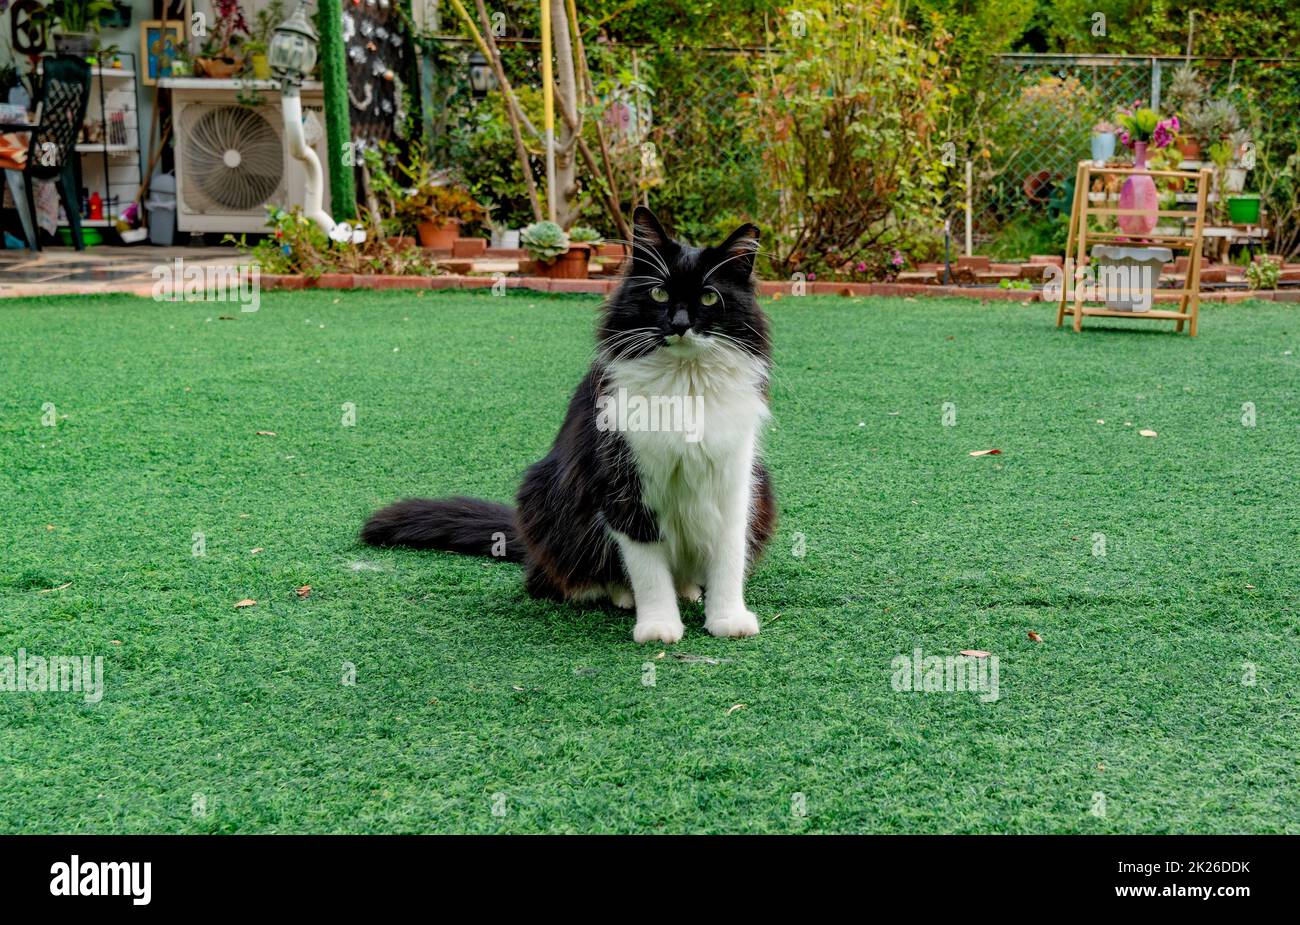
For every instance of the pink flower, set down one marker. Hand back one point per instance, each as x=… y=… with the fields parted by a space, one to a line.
x=862 y=267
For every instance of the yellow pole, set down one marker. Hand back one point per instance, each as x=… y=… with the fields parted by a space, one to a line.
x=548 y=108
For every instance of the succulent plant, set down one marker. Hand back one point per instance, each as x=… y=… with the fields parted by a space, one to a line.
x=545 y=241
x=1185 y=89
x=584 y=234
x=1212 y=120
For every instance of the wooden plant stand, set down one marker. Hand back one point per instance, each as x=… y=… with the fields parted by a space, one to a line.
x=1080 y=236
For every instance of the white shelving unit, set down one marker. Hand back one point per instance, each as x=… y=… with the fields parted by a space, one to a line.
x=111 y=164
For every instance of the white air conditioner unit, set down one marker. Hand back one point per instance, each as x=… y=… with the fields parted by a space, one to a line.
x=231 y=159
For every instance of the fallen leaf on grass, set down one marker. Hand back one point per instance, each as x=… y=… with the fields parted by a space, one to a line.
x=975 y=653
x=115 y=642
x=304 y=591
x=246 y=602
x=739 y=706
x=1148 y=433
x=266 y=433
x=661 y=654
x=67 y=584
x=986 y=452
x=255 y=550
x=1035 y=637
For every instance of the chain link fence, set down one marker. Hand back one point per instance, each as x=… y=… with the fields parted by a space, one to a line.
x=1036 y=114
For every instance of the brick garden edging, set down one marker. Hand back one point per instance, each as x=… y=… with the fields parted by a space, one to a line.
x=765 y=287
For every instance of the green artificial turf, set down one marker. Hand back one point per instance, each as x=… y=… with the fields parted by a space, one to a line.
x=469 y=697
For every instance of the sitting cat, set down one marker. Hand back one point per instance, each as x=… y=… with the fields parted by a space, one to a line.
x=627 y=505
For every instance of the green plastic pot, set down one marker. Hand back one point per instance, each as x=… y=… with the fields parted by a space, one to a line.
x=89 y=236
x=1243 y=210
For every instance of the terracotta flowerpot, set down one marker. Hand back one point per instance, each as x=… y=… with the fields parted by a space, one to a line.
x=1191 y=149
x=569 y=265
x=401 y=243
x=438 y=237
x=1139 y=192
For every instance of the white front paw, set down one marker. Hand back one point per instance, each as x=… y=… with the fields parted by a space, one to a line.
x=732 y=622
x=659 y=628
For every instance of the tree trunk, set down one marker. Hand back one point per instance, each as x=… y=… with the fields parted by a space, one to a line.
x=566 y=165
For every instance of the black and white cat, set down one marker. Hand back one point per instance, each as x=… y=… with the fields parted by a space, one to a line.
x=622 y=508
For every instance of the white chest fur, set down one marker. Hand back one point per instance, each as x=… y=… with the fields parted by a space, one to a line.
x=694 y=464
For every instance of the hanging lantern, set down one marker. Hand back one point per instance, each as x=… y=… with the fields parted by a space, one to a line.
x=293 y=48
x=482 y=80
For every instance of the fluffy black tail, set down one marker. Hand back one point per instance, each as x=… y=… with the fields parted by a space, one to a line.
x=468 y=525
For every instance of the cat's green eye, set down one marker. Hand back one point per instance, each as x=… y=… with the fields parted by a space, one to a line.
x=659 y=294
x=709 y=298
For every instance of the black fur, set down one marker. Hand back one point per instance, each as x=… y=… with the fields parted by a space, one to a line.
x=588 y=482
x=466 y=525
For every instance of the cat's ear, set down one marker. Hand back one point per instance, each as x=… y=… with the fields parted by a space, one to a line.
x=736 y=254
x=647 y=233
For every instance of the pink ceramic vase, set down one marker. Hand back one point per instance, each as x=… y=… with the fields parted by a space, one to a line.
x=1138 y=192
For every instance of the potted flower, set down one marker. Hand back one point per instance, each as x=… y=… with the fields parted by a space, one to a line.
x=438 y=208
x=555 y=255
x=1103 y=141
x=222 y=55
x=433 y=204
x=1140 y=127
